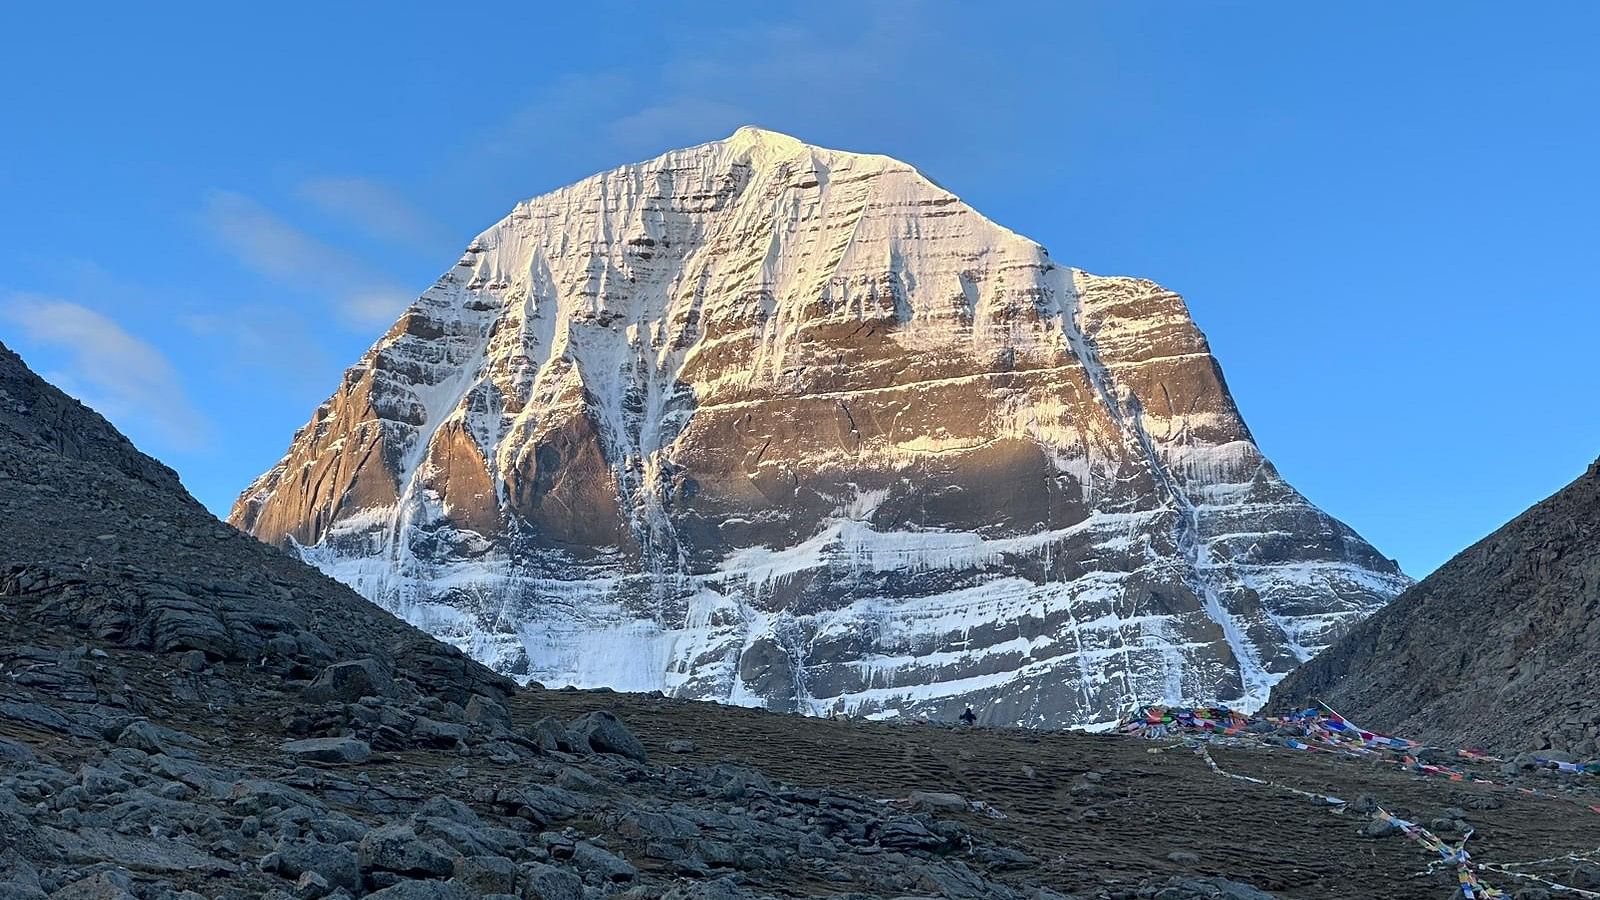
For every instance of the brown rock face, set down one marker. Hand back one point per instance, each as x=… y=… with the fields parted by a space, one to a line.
x=1499 y=648
x=770 y=424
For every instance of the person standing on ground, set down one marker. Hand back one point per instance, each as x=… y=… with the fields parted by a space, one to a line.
x=968 y=718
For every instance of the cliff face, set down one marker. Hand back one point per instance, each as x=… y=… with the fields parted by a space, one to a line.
x=770 y=424
x=1499 y=648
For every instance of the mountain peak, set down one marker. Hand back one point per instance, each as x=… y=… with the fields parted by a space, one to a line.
x=754 y=136
x=772 y=424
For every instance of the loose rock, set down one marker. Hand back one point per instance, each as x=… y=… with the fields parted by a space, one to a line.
x=339 y=750
x=605 y=733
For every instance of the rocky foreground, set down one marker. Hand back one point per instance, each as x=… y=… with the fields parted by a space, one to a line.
x=185 y=713
x=130 y=773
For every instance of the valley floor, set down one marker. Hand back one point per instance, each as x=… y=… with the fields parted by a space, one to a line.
x=1108 y=811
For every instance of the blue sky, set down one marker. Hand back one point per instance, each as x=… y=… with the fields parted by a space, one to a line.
x=1383 y=215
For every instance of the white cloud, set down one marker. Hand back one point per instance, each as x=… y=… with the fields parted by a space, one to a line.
x=675 y=122
x=273 y=247
x=377 y=305
x=810 y=82
x=257 y=340
x=262 y=240
x=126 y=379
x=374 y=208
x=549 y=119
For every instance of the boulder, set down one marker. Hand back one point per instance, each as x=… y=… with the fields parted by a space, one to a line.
x=338 y=865
x=1378 y=828
x=110 y=885
x=607 y=865
x=551 y=736
x=1182 y=888
x=347 y=682
x=936 y=800
x=721 y=889
x=332 y=750
x=468 y=838
x=546 y=882
x=603 y=732
x=447 y=808
x=487 y=874
x=154 y=739
x=16 y=752
x=731 y=782
x=424 y=890
x=312 y=886
x=908 y=834
x=396 y=848
x=433 y=733
x=539 y=804
x=487 y=713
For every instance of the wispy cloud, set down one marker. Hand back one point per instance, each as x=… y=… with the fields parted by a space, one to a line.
x=126 y=379
x=268 y=244
x=785 y=76
x=257 y=341
x=677 y=121
x=546 y=119
x=373 y=207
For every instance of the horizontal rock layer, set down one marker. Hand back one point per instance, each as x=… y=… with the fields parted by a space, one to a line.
x=769 y=424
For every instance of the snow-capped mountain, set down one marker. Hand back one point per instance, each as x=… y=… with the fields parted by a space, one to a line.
x=770 y=424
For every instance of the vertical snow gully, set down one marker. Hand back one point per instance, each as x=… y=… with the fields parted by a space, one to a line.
x=1253 y=679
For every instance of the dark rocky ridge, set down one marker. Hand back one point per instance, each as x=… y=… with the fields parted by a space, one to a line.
x=185 y=713
x=1499 y=648
x=102 y=538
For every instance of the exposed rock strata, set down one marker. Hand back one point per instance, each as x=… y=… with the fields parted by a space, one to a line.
x=771 y=424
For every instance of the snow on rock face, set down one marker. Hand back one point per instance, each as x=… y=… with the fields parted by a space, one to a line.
x=769 y=424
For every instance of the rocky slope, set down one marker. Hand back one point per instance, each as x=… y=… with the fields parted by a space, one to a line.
x=776 y=425
x=1500 y=647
